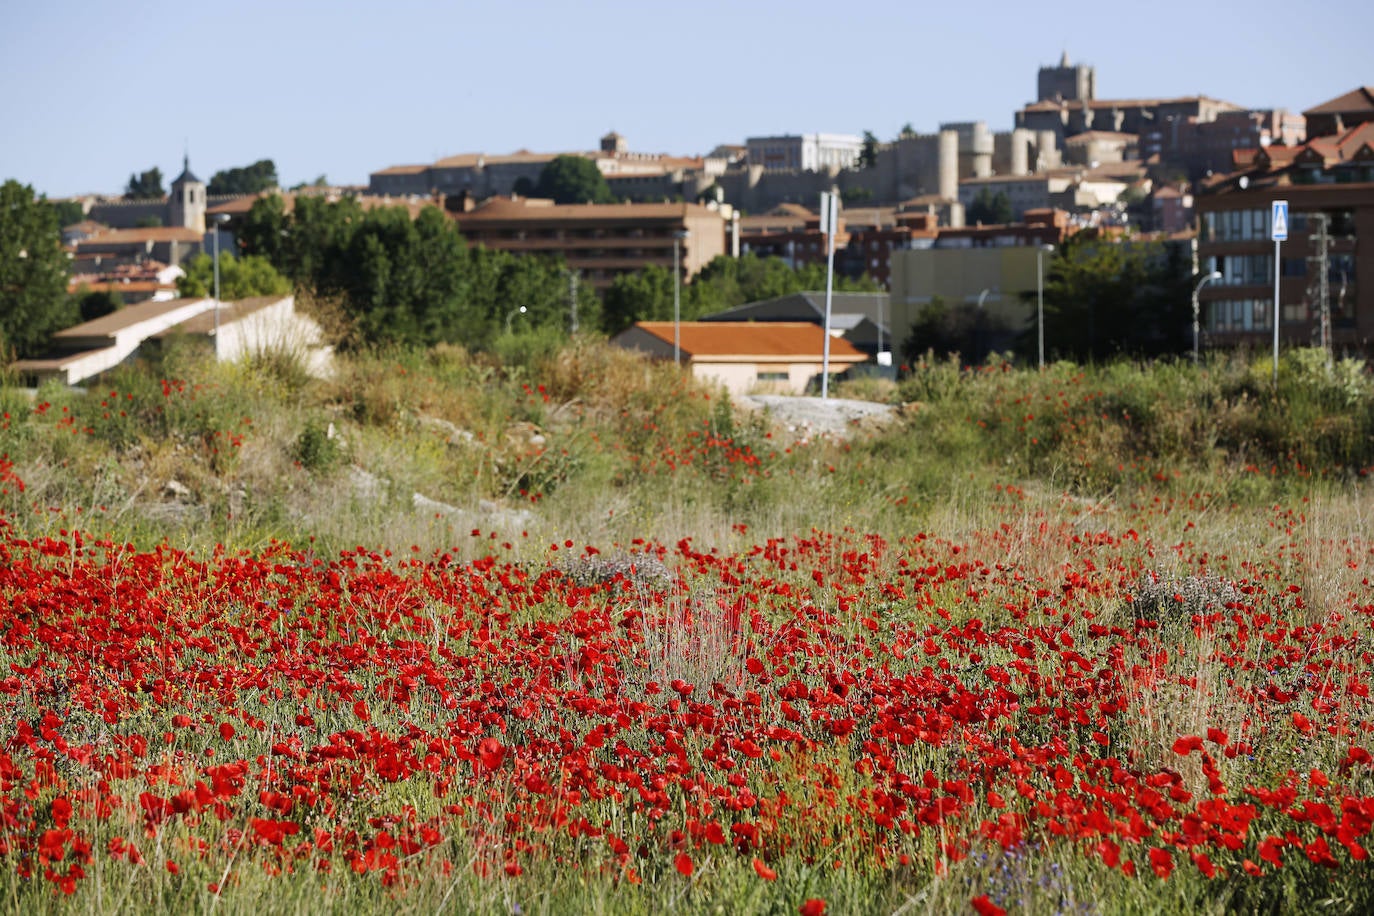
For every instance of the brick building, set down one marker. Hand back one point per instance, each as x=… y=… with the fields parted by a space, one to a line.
x=1330 y=179
x=600 y=241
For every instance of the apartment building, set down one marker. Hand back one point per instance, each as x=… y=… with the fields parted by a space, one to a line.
x=601 y=241
x=1329 y=179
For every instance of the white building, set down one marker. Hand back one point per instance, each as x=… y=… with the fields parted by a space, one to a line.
x=804 y=153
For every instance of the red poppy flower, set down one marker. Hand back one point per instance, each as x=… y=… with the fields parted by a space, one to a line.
x=491 y=753
x=986 y=907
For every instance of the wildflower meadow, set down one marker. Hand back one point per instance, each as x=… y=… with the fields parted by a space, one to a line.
x=573 y=633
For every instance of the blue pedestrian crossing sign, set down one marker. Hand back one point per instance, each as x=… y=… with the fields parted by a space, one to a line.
x=1278 y=221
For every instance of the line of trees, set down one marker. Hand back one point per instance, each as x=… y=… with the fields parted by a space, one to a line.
x=248 y=179
x=409 y=281
x=416 y=282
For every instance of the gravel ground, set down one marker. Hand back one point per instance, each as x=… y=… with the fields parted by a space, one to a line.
x=812 y=416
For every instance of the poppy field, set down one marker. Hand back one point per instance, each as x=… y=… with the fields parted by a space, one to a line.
x=1028 y=702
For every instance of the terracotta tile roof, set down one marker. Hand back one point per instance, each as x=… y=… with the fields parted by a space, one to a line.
x=241 y=205
x=1361 y=99
x=403 y=170
x=763 y=339
x=1088 y=136
x=499 y=209
x=146 y=234
x=109 y=325
x=524 y=156
x=1052 y=105
x=117 y=286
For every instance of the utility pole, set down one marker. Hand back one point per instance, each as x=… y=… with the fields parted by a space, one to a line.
x=1320 y=261
x=572 y=298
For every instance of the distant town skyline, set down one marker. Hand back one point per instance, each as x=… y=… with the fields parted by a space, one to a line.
x=90 y=92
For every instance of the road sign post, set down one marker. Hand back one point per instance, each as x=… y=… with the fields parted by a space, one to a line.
x=1278 y=231
x=830 y=218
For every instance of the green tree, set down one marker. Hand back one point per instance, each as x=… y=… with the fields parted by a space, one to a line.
x=148 y=221
x=647 y=295
x=868 y=153
x=573 y=180
x=239 y=278
x=964 y=329
x=263 y=230
x=250 y=179
x=644 y=295
x=93 y=304
x=68 y=212
x=1105 y=297
x=145 y=186
x=33 y=272
x=907 y=132
x=990 y=209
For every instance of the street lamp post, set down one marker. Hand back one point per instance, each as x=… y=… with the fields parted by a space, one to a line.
x=678 y=238
x=978 y=322
x=1214 y=275
x=511 y=314
x=219 y=219
x=1040 y=252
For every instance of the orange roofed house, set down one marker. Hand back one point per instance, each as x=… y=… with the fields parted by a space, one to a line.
x=780 y=357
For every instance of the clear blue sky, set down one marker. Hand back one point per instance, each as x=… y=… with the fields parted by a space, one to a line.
x=93 y=91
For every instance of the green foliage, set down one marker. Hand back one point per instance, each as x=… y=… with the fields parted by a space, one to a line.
x=263 y=231
x=1106 y=297
x=148 y=222
x=962 y=329
x=868 y=154
x=573 y=180
x=1118 y=424
x=249 y=179
x=239 y=278
x=315 y=449
x=97 y=303
x=647 y=295
x=410 y=282
x=145 y=186
x=990 y=209
x=33 y=272
x=67 y=212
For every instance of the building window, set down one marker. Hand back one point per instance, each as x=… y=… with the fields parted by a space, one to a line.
x=772 y=376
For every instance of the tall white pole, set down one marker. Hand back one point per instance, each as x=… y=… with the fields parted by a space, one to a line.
x=216 y=231
x=1214 y=275
x=1278 y=231
x=1277 y=243
x=1040 y=301
x=572 y=296
x=677 y=301
x=829 y=222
